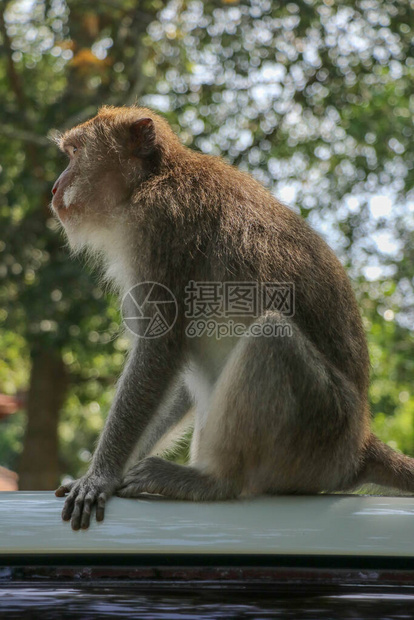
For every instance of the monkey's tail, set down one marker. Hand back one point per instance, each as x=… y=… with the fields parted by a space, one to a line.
x=383 y=465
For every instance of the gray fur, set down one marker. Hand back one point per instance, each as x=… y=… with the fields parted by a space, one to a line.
x=273 y=414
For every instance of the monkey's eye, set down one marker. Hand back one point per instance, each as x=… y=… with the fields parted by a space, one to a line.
x=71 y=150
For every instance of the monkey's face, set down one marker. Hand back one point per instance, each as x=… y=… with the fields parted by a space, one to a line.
x=109 y=157
x=93 y=183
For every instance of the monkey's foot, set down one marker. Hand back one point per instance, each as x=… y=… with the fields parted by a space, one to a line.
x=82 y=495
x=145 y=477
x=160 y=477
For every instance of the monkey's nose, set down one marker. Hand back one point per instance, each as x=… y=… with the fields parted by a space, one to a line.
x=54 y=188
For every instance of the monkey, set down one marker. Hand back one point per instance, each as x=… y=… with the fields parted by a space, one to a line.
x=273 y=415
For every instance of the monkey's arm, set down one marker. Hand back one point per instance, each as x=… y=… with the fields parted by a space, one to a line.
x=169 y=416
x=146 y=378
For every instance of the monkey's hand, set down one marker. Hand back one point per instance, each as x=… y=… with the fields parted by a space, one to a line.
x=82 y=495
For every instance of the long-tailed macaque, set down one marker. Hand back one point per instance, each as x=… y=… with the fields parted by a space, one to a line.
x=274 y=415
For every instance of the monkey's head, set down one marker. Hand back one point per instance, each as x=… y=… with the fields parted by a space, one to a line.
x=110 y=157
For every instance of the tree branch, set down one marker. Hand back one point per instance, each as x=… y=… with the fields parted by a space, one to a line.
x=25 y=136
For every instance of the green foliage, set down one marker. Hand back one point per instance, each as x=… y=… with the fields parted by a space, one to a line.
x=313 y=96
x=11 y=438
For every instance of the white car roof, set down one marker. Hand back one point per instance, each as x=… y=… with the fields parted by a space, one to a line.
x=30 y=523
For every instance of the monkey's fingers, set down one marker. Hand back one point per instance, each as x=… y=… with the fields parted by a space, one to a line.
x=64 y=489
x=86 y=511
x=100 y=507
x=68 y=506
x=77 y=512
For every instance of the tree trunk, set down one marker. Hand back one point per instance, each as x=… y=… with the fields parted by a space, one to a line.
x=38 y=468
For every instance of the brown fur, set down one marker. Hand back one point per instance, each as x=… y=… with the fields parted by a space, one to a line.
x=285 y=415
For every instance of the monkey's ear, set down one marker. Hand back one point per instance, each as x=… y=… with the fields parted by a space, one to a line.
x=143 y=137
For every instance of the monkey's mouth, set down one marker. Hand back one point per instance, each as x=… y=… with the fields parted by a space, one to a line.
x=57 y=206
x=61 y=210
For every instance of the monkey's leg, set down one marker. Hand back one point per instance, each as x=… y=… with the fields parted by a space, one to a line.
x=281 y=420
x=160 y=477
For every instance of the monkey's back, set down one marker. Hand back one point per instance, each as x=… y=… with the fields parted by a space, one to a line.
x=252 y=236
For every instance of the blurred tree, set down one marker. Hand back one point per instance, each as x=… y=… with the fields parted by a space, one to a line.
x=53 y=58
x=314 y=97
